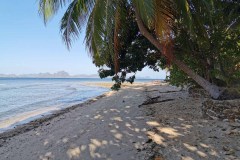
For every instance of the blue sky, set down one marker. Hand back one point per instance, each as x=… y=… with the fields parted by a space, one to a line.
x=28 y=46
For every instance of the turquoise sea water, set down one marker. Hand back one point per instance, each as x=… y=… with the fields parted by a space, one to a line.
x=23 y=95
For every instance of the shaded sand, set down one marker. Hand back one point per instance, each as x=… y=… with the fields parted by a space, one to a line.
x=179 y=131
x=147 y=121
x=112 y=127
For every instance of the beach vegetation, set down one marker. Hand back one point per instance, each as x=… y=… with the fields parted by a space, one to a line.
x=197 y=40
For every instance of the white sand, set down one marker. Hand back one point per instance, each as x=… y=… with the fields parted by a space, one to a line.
x=115 y=127
x=179 y=131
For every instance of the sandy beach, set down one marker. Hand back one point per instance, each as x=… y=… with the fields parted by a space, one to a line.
x=143 y=121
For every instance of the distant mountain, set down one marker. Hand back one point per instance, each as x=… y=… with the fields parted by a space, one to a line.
x=60 y=74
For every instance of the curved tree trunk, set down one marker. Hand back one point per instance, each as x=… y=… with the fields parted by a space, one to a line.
x=212 y=89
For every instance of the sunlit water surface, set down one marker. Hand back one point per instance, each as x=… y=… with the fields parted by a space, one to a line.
x=23 y=99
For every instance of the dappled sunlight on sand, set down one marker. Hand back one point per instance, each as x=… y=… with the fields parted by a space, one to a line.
x=46 y=142
x=120 y=131
x=118 y=128
x=187 y=158
x=98 y=117
x=94 y=145
x=73 y=152
x=112 y=128
x=178 y=131
x=172 y=133
x=167 y=136
x=194 y=149
x=121 y=128
x=117 y=119
x=153 y=123
x=156 y=138
x=47 y=156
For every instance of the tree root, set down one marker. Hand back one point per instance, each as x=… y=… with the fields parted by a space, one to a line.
x=152 y=90
x=162 y=92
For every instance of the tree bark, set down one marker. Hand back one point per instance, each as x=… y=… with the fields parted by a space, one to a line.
x=212 y=89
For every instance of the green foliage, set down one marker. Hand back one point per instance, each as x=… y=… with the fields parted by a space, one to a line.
x=177 y=77
x=205 y=35
x=136 y=52
x=216 y=55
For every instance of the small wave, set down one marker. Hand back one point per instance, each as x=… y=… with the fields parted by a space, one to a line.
x=45 y=102
x=24 y=117
x=20 y=87
x=70 y=101
x=71 y=88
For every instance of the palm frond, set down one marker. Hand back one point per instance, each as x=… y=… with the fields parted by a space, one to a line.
x=98 y=30
x=163 y=19
x=74 y=19
x=105 y=32
x=183 y=8
x=146 y=11
x=47 y=8
x=116 y=38
x=90 y=44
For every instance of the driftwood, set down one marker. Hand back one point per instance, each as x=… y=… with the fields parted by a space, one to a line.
x=152 y=90
x=154 y=100
x=169 y=91
x=162 y=92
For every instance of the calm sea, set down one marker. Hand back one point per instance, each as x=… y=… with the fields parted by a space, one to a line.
x=21 y=99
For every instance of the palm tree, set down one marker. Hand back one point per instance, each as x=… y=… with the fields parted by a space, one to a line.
x=105 y=18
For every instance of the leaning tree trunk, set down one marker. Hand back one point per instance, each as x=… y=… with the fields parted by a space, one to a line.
x=213 y=90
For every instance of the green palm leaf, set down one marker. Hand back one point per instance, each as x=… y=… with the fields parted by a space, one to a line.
x=48 y=8
x=74 y=19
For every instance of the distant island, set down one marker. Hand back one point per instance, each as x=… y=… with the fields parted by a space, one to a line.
x=60 y=74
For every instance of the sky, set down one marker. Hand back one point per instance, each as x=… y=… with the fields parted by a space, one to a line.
x=28 y=46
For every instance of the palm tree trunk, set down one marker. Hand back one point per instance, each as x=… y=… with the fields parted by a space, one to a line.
x=212 y=89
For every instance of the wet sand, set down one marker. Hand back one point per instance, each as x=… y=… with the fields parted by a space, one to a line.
x=9 y=122
x=26 y=117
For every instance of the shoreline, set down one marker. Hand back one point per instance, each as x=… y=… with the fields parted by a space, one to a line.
x=22 y=128
x=91 y=124
x=12 y=123
x=33 y=119
x=150 y=121
x=23 y=118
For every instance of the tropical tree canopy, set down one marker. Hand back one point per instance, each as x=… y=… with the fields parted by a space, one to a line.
x=216 y=55
x=183 y=31
x=103 y=18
